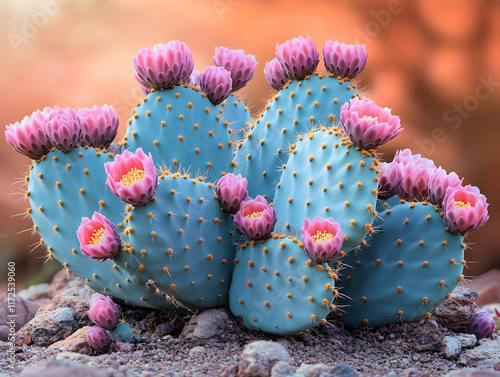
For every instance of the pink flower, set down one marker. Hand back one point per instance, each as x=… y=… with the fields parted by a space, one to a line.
x=240 y=65
x=275 y=75
x=132 y=177
x=99 y=126
x=163 y=66
x=216 y=82
x=63 y=128
x=465 y=209
x=415 y=185
x=368 y=125
x=343 y=59
x=28 y=137
x=256 y=218
x=298 y=57
x=482 y=325
x=231 y=190
x=390 y=180
x=98 y=339
x=439 y=181
x=405 y=157
x=103 y=311
x=98 y=237
x=322 y=239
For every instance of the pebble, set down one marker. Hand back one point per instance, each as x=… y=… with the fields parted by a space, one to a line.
x=456 y=312
x=77 y=342
x=468 y=372
x=455 y=344
x=282 y=369
x=208 y=324
x=197 y=352
x=65 y=368
x=323 y=370
x=485 y=354
x=258 y=358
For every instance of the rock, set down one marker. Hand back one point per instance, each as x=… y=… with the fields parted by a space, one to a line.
x=197 y=352
x=208 y=324
x=282 y=369
x=323 y=370
x=77 y=299
x=486 y=354
x=47 y=328
x=38 y=293
x=457 y=312
x=64 y=280
x=468 y=372
x=24 y=310
x=76 y=342
x=64 y=368
x=429 y=337
x=258 y=358
x=167 y=328
x=4 y=333
x=455 y=344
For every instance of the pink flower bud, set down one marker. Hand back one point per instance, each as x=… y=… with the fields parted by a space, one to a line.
x=390 y=180
x=275 y=75
x=98 y=237
x=368 y=125
x=240 y=65
x=216 y=82
x=98 y=339
x=163 y=66
x=343 y=59
x=231 y=190
x=439 y=181
x=132 y=177
x=405 y=156
x=99 y=126
x=482 y=325
x=256 y=218
x=465 y=209
x=103 y=311
x=415 y=185
x=28 y=137
x=322 y=239
x=63 y=128
x=298 y=57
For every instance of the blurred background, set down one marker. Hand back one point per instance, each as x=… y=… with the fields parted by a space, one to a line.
x=436 y=63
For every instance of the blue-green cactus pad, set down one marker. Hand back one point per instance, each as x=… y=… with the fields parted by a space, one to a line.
x=327 y=176
x=276 y=288
x=407 y=269
x=181 y=128
x=295 y=110
x=237 y=115
x=183 y=241
x=65 y=187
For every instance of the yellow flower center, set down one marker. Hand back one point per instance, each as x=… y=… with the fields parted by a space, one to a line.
x=322 y=236
x=96 y=236
x=460 y=204
x=254 y=214
x=369 y=117
x=134 y=175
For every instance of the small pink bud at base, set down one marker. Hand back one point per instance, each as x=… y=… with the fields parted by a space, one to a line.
x=482 y=325
x=63 y=128
x=231 y=190
x=275 y=75
x=103 y=311
x=390 y=179
x=256 y=218
x=99 y=126
x=98 y=338
x=216 y=83
x=322 y=239
x=298 y=57
x=344 y=60
x=28 y=137
x=98 y=237
x=240 y=65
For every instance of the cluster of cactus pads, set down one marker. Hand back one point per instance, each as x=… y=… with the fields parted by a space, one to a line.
x=284 y=218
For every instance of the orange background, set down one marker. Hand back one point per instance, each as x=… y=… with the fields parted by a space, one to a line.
x=427 y=59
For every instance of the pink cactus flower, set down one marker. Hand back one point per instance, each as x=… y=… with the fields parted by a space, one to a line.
x=62 y=127
x=390 y=180
x=343 y=59
x=28 y=137
x=405 y=156
x=132 y=177
x=256 y=218
x=368 y=125
x=415 y=185
x=439 y=181
x=322 y=239
x=216 y=83
x=98 y=339
x=465 y=209
x=275 y=75
x=103 y=311
x=195 y=79
x=298 y=57
x=163 y=66
x=99 y=126
x=98 y=237
x=482 y=325
x=240 y=65
x=231 y=190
